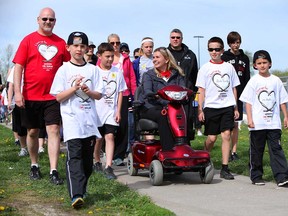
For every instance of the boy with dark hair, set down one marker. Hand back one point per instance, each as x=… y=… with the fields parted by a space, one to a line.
x=264 y=96
x=76 y=86
x=217 y=81
x=109 y=107
x=241 y=63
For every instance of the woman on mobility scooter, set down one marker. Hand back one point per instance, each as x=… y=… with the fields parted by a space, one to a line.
x=166 y=72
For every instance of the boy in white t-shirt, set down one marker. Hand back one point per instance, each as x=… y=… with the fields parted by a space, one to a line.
x=109 y=107
x=76 y=86
x=264 y=96
x=217 y=81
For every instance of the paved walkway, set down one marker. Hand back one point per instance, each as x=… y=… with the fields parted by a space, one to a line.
x=186 y=195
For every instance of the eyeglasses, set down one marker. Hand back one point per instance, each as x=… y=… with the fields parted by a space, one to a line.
x=126 y=51
x=214 y=49
x=177 y=37
x=117 y=43
x=46 y=18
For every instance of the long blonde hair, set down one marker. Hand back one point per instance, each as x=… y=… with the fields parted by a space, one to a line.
x=171 y=64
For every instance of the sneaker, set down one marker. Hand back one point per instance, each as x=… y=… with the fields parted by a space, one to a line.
x=258 y=182
x=109 y=173
x=226 y=174
x=118 y=162
x=41 y=150
x=283 y=182
x=35 y=173
x=98 y=167
x=233 y=157
x=17 y=142
x=55 y=179
x=23 y=152
x=77 y=202
x=199 y=133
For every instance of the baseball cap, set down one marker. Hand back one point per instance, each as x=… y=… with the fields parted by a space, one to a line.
x=76 y=38
x=91 y=44
x=124 y=45
x=261 y=54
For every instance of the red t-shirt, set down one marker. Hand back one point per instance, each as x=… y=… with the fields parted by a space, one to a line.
x=41 y=56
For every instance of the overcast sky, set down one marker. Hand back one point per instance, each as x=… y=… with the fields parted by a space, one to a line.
x=262 y=24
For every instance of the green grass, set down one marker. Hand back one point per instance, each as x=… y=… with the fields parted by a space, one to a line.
x=18 y=193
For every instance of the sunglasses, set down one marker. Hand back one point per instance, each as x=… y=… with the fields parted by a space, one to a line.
x=177 y=37
x=214 y=49
x=50 y=19
x=117 y=43
x=125 y=51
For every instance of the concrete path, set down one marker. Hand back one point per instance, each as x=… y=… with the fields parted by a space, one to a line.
x=186 y=195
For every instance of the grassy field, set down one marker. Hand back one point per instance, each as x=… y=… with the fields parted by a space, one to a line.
x=21 y=196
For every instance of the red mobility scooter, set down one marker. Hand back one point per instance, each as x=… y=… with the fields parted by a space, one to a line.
x=147 y=154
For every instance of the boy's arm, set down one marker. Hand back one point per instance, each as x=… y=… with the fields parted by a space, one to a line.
x=92 y=94
x=284 y=111
x=66 y=94
x=201 y=98
x=119 y=105
x=236 y=113
x=249 y=115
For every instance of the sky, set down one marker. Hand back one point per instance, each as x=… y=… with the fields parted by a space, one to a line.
x=262 y=24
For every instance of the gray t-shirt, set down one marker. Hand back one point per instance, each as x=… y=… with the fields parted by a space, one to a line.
x=145 y=65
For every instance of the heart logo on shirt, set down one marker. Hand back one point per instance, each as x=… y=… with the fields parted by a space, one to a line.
x=79 y=93
x=267 y=100
x=221 y=81
x=48 y=52
x=110 y=88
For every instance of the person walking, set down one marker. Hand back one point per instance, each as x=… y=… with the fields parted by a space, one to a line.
x=38 y=57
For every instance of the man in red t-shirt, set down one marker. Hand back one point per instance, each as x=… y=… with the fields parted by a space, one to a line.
x=39 y=56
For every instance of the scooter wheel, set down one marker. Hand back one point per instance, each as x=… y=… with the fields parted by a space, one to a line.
x=131 y=169
x=207 y=173
x=156 y=173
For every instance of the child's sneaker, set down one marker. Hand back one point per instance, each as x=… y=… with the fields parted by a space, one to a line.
x=226 y=174
x=41 y=150
x=23 y=152
x=77 y=202
x=258 y=182
x=283 y=182
x=55 y=179
x=98 y=167
x=109 y=174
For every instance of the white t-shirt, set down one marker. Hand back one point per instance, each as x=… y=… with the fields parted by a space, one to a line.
x=218 y=80
x=145 y=65
x=265 y=94
x=78 y=113
x=10 y=79
x=114 y=83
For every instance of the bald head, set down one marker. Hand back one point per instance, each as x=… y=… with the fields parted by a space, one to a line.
x=46 y=21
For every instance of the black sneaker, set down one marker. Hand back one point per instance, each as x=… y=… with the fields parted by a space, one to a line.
x=108 y=172
x=77 y=202
x=17 y=142
x=226 y=174
x=55 y=179
x=98 y=167
x=233 y=157
x=283 y=182
x=258 y=182
x=35 y=173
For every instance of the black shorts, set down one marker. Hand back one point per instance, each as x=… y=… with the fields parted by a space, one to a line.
x=16 y=122
x=38 y=114
x=218 y=120
x=107 y=129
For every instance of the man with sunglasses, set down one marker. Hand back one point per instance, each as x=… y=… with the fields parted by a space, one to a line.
x=186 y=59
x=37 y=59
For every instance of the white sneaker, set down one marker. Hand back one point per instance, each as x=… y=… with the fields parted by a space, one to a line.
x=41 y=150
x=23 y=152
x=199 y=133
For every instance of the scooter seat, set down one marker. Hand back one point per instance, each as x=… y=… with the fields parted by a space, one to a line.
x=147 y=125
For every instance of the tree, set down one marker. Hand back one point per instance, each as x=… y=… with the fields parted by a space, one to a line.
x=6 y=62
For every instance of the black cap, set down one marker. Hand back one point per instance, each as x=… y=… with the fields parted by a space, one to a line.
x=263 y=54
x=76 y=38
x=124 y=45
